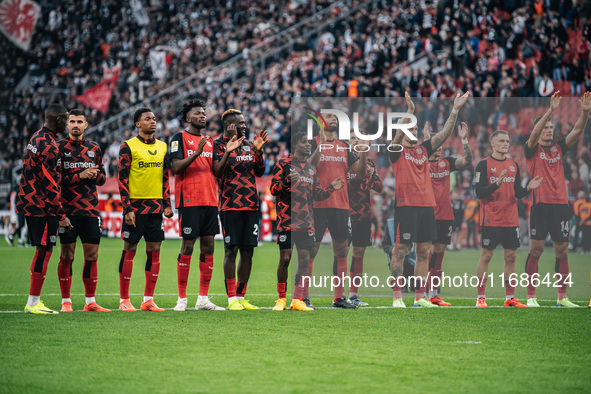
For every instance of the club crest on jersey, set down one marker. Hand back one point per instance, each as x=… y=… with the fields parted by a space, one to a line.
x=419 y=150
x=311 y=171
x=442 y=164
x=282 y=238
x=246 y=148
x=209 y=143
x=554 y=149
x=512 y=168
x=152 y=153
x=91 y=154
x=68 y=154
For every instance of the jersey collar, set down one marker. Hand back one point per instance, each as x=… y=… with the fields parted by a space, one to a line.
x=146 y=141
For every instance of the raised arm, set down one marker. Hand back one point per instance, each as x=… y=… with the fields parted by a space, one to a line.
x=538 y=127
x=465 y=161
x=573 y=136
x=438 y=139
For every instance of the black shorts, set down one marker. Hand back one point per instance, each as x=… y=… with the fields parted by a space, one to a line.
x=508 y=237
x=42 y=230
x=150 y=226
x=89 y=229
x=457 y=223
x=336 y=220
x=361 y=233
x=240 y=227
x=550 y=218
x=444 y=228
x=304 y=240
x=198 y=222
x=415 y=224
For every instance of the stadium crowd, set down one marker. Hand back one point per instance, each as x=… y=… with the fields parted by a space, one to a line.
x=492 y=49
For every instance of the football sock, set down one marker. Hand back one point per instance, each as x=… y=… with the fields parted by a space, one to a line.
x=38 y=271
x=64 y=300
x=152 y=269
x=298 y=289
x=147 y=298
x=282 y=289
x=90 y=300
x=183 y=266
x=561 y=267
x=509 y=290
x=339 y=272
x=64 y=273
x=306 y=293
x=396 y=288
x=205 y=271
x=482 y=287
x=89 y=277
x=241 y=289
x=435 y=263
x=125 y=268
x=356 y=272
x=33 y=300
x=531 y=267
x=421 y=288
x=231 y=288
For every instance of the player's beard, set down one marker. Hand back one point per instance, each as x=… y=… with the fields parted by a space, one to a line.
x=197 y=126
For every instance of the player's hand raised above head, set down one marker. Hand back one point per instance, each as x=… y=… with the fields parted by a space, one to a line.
x=586 y=102
x=463 y=130
x=555 y=100
x=260 y=140
x=461 y=100
x=409 y=103
x=534 y=183
x=426 y=132
x=234 y=143
x=338 y=183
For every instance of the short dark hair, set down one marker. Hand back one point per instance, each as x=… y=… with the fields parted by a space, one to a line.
x=54 y=110
x=78 y=112
x=536 y=120
x=189 y=105
x=297 y=137
x=497 y=132
x=138 y=114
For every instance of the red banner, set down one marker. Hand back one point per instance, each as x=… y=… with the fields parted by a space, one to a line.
x=99 y=96
x=17 y=21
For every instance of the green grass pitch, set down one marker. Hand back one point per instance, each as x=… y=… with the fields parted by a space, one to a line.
x=380 y=349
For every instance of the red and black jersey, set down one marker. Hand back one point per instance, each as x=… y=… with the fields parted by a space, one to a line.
x=79 y=196
x=196 y=185
x=547 y=163
x=294 y=202
x=140 y=206
x=439 y=171
x=359 y=193
x=413 y=182
x=40 y=185
x=238 y=188
x=335 y=160
x=498 y=207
